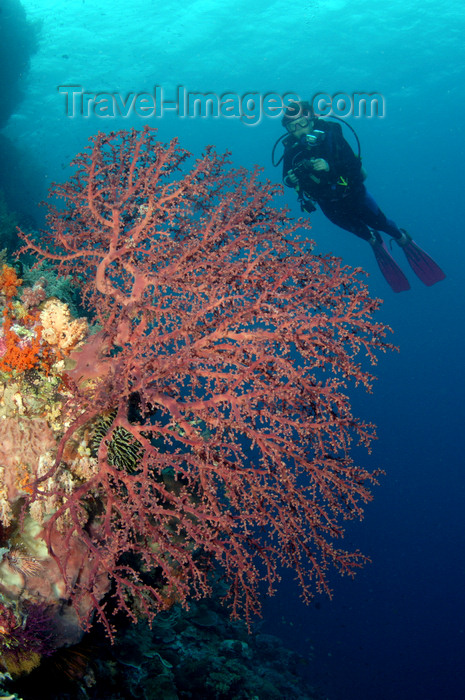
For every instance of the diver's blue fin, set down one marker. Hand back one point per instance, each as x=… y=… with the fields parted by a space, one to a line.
x=388 y=266
x=421 y=263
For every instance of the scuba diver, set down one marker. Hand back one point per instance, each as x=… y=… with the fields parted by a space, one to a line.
x=321 y=166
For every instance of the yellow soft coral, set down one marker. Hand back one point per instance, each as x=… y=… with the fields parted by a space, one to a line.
x=19 y=662
x=59 y=329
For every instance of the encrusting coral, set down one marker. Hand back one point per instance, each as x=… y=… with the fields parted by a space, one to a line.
x=23 y=443
x=36 y=335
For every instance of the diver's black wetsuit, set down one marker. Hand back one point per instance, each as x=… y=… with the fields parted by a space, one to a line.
x=340 y=193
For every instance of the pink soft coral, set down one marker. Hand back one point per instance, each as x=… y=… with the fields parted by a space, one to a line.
x=224 y=354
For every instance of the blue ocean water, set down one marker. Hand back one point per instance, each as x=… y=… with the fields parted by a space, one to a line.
x=397 y=631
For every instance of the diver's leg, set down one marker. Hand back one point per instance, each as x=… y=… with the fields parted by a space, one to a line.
x=344 y=215
x=372 y=215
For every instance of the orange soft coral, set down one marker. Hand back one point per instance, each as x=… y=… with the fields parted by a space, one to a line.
x=21 y=355
x=9 y=281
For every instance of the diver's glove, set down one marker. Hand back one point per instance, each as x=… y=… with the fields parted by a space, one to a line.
x=319 y=164
x=291 y=179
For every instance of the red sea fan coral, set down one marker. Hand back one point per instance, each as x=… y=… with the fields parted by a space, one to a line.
x=223 y=357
